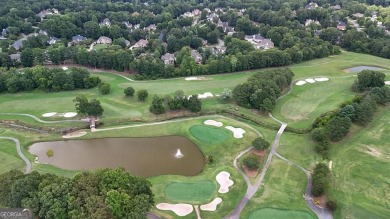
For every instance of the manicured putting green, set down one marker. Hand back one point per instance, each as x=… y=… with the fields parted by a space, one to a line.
x=275 y=213
x=197 y=192
x=209 y=134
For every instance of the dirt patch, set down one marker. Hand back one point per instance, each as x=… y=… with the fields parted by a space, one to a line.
x=253 y=173
x=373 y=152
x=320 y=201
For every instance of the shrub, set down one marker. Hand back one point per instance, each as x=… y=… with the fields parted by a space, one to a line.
x=331 y=205
x=260 y=144
x=50 y=153
x=319 y=135
x=104 y=88
x=251 y=162
x=142 y=95
x=338 y=127
x=226 y=96
x=320 y=179
x=129 y=92
x=157 y=107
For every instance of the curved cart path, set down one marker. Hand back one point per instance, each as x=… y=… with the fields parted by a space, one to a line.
x=21 y=155
x=40 y=120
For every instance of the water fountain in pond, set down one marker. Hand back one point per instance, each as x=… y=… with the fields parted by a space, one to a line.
x=179 y=154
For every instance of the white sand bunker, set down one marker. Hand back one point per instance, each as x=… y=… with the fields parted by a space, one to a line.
x=321 y=79
x=70 y=114
x=194 y=78
x=212 y=206
x=49 y=114
x=237 y=132
x=213 y=123
x=387 y=82
x=300 y=83
x=75 y=134
x=224 y=181
x=65 y=68
x=179 y=209
x=205 y=95
x=310 y=80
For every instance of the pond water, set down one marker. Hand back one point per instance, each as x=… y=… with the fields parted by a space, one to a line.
x=361 y=68
x=140 y=156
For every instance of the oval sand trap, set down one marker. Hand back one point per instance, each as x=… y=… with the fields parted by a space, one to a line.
x=75 y=134
x=49 y=114
x=205 y=95
x=237 y=132
x=387 y=82
x=70 y=114
x=65 y=68
x=179 y=209
x=191 y=79
x=212 y=206
x=213 y=123
x=321 y=79
x=300 y=83
x=224 y=181
x=310 y=80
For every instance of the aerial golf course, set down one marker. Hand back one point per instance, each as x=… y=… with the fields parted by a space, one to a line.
x=359 y=163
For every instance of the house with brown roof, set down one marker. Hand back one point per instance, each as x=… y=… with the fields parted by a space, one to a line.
x=104 y=40
x=140 y=44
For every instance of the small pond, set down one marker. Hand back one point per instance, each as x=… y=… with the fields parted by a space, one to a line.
x=140 y=156
x=361 y=68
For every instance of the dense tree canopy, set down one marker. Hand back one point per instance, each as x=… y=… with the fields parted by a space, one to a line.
x=101 y=194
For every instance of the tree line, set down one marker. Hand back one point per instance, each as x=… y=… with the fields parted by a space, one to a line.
x=335 y=125
x=179 y=101
x=46 y=79
x=108 y=193
x=263 y=89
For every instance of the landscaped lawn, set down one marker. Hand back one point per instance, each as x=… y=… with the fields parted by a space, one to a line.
x=279 y=214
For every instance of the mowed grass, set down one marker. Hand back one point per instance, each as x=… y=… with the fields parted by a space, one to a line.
x=283 y=188
x=195 y=193
x=209 y=134
x=9 y=158
x=279 y=214
x=361 y=167
x=305 y=103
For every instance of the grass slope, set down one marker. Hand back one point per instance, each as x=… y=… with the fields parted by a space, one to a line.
x=361 y=167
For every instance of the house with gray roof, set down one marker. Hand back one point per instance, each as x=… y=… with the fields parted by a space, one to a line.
x=105 y=22
x=15 y=57
x=78 y=39
x=53 y=40
x=196 y=56
x=17 y=44
x=168 y=58
x=104 y=40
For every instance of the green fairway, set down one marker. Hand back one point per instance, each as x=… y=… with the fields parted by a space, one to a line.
x=195 y=193
x=361 y=167
x=273 y=213
x=283 y=188
x=209 y=134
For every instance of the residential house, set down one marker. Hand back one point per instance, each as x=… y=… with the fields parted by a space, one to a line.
x=317 y=32
x=47 y=12
x=17 y=44
x=218 y=10
x=310 y=21
x=3 y=34
x=207 y=10
x=128 y=24
x=140 y=44
x=168 y=58
x=218 y=50
x=78 y=39
x=42 y=32
x=341 y=25
x=225 y=26
x=15 y=57
x=336 y=7
x=259 y=42
x=104 y=40
x=127 y=43
x=196 y=56
x=196 y=12
x=358 y=15
x=52 y=40
x=106 y=22
x=187 y=14
x=151 y=27
x=311 y=6
x=212 y=16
